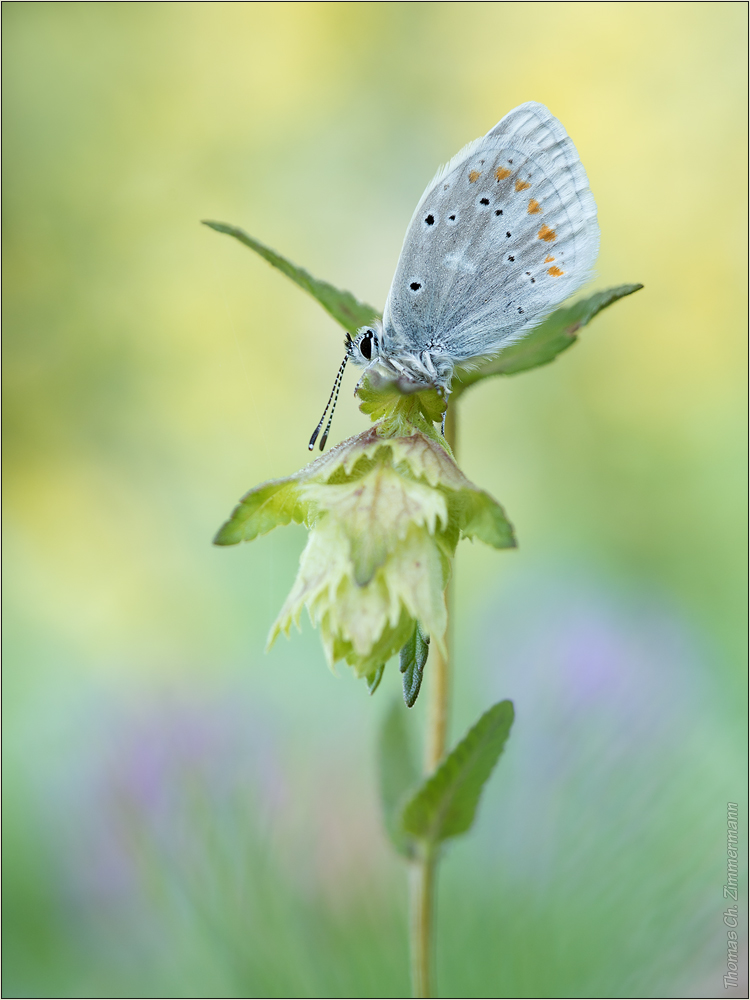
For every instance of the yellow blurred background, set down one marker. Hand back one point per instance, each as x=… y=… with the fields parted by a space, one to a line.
x=188 y=816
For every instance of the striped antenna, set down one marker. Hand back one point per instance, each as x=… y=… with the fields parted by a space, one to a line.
x=332 y=398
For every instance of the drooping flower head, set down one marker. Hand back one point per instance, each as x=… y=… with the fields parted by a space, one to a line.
x=385 y=510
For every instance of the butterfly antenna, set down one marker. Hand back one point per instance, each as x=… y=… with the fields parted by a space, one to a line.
x=333 y=398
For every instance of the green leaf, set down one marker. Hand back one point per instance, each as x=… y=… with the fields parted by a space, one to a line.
x=345 y=309
x=446 y=803
x=399 y=411
x=374 y=679
x=484 y=518
x=262 y=509
x=413 y=659
x=542 y=345
x=399 y=775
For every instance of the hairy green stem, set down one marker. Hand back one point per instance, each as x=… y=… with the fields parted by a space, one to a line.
x=424 y=869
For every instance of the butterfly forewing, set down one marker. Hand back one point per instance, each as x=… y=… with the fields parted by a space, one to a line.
x=505 y=232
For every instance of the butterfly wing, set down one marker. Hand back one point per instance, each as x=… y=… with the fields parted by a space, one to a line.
x=505 y=232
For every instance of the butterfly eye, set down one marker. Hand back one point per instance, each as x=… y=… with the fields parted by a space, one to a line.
x=366 y=345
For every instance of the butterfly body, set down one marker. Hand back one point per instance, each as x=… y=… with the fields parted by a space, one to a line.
x=505 y=232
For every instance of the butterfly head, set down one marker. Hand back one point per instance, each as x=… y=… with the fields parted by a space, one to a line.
x=365 y=347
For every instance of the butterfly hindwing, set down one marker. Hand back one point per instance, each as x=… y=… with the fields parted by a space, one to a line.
x=505 y=232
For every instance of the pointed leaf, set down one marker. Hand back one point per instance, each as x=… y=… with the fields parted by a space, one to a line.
x=556 y=333
x=413 y=659
x=345 y=309
x=485 y=519
x=399 y=774
x=446 y=803
x=374 y=679
x=262 y=509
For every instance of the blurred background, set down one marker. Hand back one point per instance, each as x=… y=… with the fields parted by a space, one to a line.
x=188 y=816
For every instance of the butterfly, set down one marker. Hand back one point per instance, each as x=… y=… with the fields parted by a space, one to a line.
x=504 y=232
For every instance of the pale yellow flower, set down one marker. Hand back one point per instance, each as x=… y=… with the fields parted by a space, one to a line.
x=385 y=515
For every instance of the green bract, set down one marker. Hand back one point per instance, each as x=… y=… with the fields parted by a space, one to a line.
x=385 y=512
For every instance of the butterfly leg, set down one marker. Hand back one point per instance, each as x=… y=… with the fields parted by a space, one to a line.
x=400 y=369
x=445 y=393
x=428 y=365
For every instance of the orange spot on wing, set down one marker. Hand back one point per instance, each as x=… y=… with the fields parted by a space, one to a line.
x=545 y=233
x=554 y=271
x=501 y=173
x=548 y=260
x=474 y=175
x=534 y=207
x=522 y=185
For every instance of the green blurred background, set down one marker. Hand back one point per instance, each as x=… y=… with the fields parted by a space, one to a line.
x=188 y=816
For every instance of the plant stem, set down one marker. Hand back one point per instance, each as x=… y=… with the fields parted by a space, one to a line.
x=439 y=695
x=424 y=869
x=422 y=892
